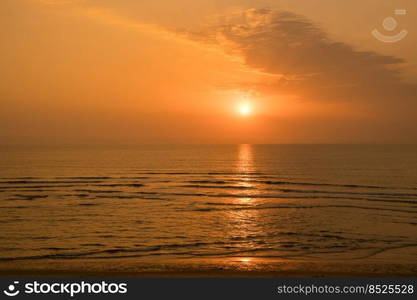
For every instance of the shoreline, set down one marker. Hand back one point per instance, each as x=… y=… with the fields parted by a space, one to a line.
x=30 y=274
x=212 y=274
x=215 y=268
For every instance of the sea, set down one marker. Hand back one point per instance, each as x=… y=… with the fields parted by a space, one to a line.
x=208 y=202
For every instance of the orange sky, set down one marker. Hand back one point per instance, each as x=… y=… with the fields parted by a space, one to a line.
x=109 y=71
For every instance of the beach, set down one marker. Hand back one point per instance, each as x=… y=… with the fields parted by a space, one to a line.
x=231 y=268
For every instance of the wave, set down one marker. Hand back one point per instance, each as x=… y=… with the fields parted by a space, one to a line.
x=284 y=190
x=209 y=209
x=203 y=173
x=296 y=250
x=279 y=182
x=346 y=192
x=282 y=196
x=92 y=254
x=208 y=181
x=119 y=185
x=322 y=184
x=17 y=207
x=98 y=191
x=85 y=177
x=22 y=187
x=29 y=197
x=116 y=197
x=48 y=181
x=237 y=187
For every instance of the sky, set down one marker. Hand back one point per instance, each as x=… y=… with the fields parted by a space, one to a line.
x=200 y=71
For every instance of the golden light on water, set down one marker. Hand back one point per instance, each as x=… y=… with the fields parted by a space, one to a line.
x=245 y=259
x=245 y=166
x=245 y=158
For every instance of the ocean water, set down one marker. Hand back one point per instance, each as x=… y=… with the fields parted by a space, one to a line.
x=207 y=202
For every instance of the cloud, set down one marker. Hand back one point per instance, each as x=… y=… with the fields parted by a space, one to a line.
x=293 y=54
x=58 y=2
x=304 y=59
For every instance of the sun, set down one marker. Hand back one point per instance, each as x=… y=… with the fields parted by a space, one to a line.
x=244 y=109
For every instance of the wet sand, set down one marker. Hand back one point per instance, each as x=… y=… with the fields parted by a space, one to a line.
x=230 y=267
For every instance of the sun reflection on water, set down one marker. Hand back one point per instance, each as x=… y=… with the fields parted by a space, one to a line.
x=245 y=158
x=245 y=259
x=245 y=167
x=245 y=223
